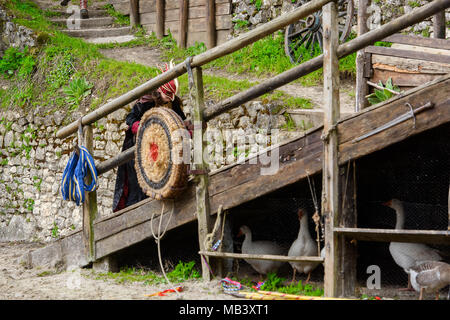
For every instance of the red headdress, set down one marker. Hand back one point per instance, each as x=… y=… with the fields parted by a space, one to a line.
x=170 y=88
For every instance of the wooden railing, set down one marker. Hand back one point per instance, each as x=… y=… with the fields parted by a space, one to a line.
x=329 y=60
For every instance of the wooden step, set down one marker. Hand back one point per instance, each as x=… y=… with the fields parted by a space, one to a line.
x=46 y=4
x=117 y=39
x=93 y=13
x=99 y=32
x=95 y=22
x=270 y=257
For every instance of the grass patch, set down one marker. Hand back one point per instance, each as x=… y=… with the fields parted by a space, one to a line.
x=182 y=272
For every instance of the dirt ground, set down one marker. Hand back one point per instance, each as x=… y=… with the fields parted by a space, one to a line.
x=19 y=283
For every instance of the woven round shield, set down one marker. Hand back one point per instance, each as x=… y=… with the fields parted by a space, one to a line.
x=161 y=171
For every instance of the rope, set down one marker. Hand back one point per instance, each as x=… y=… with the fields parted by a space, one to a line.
x=316 y=216
x=73 y=186
x=158 y=242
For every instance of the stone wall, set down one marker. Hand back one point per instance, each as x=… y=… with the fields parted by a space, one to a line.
x=248 y=14
x=12 y=35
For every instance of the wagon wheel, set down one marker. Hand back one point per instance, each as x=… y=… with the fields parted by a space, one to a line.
x=304 y=34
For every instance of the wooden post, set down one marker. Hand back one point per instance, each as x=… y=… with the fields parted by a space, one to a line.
x=160 y=19
x=134 y=13
x=362 y=89
x=330 y=201
x=348 y=219
x=182 y=30
x=90 y=202
x=201 y=191
x=439 y=25
x=211 y=21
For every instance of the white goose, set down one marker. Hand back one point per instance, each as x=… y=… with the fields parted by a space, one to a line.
x=408 y=255
x=260 y=247
x=430 y=276
x=304 y=245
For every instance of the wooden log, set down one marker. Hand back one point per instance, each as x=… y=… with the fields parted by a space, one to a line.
x=330 y=186
x=237 y=43
x=202 y=196
x=439 y=25
x=362 y=88
x=90 y=209
x=134 y=13
x=260 y=256
x=211 y=22
x=182 y=31
x=403 y=79
x=160 y=18
x=418 y=41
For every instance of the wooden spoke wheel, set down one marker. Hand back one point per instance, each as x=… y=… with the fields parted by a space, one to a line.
x=306 y=34
x=160 y=169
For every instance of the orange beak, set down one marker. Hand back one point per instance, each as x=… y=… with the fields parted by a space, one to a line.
x=300 y=213
x=240 y=233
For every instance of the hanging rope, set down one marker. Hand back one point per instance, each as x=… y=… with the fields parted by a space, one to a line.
x=316 y=215
x=158 y=242
x=73 y=186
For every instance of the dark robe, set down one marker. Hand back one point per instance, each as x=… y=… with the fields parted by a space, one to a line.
x=127 y=190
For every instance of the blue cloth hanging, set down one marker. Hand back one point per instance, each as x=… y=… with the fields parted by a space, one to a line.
x=72 y=184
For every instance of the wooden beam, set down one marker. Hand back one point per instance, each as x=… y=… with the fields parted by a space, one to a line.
x=134 y=13
x=201 y=191
x=362 y=89
x=348 y=218
x=439 y=25
x=330 y=187
x=90 y=209
x=160 y=18
x=389 y=235
x=386 y=51
x=260 y=257
x=419 y=41
x=183 y=20
x=211 y=22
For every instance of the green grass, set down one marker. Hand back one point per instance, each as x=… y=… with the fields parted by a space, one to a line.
x=182 y=272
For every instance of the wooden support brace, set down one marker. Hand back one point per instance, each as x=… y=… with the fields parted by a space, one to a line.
x=211 y=20
x=134 y=13
x=160 y=19
x=182 y=30
x=330 y=171
x=201 y=191
x=90 y=203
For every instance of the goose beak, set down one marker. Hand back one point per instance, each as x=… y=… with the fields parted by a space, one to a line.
x=387 y=203
x=300 y=213
x=240 y=233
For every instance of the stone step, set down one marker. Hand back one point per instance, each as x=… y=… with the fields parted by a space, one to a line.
x=95 y=22
x=49 y=4
x=118 y=39
x=99 y=32
x=93 y=13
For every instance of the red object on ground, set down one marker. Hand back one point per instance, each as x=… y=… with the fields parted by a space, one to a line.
x=163 y=293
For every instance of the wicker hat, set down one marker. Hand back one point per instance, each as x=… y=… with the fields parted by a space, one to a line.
x=170 y=88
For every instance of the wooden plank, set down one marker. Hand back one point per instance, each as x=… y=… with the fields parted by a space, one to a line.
x=388 y=235
x=348 y=218
x=134 y=13
x=183 y=20
x=160 y=18
x=261 y=256
x=419 y=41
x=330 y=185
x=408 y=54
x=211 y=24
x=403 y=65
x=402 y=79
x=362 y=89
